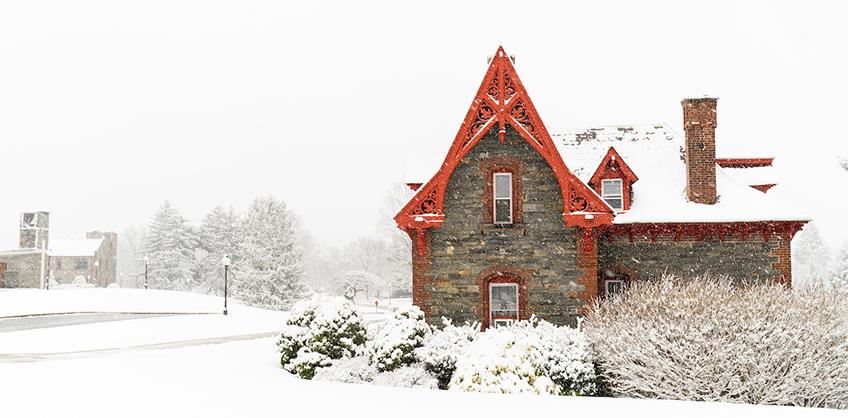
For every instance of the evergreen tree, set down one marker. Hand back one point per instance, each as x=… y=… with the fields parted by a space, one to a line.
x=170 y=244
x=809 y=256
x=269 y=272
x=220 y=233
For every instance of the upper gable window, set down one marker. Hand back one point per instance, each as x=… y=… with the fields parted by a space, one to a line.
x=502 y=197
x=612 y=193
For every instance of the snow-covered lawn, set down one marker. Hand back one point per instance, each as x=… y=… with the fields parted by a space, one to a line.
x=243 y=379
x=196 y=365
x=16 y=302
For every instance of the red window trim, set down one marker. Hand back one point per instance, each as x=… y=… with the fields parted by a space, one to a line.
x=502 y=274
x=510 y=165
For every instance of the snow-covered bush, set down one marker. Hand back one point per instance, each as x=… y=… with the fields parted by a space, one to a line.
x=407 y=377
x=395 y=340
x=347 y=370
x=566 y=357
x=529 y=357
x=706 y=339
x=443 y=347
x=317 y=333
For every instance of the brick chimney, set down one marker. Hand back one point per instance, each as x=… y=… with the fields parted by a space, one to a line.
x=699 y=122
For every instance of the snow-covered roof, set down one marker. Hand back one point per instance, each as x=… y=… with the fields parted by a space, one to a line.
x=752 y=176
x=655 y=154
x=85 y=247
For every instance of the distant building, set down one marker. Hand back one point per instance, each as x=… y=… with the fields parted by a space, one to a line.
x=93 y=257
x=26 y=266
x=38 y=259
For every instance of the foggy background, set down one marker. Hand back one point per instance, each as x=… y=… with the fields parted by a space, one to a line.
x=108 y=108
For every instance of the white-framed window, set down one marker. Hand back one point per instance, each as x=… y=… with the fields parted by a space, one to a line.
x=502 y=198
x=613 y=287
x=612 y=193
x=503 y=303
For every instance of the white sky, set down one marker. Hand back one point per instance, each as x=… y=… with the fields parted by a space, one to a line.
x=108 y=108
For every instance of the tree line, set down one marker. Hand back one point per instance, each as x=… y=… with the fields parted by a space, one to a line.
x=275 y=261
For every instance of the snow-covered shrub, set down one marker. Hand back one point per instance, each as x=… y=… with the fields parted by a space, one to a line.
x=317 y=333
x=396 y=339
x=566 y=357
x=407 y=377
x=444 y=346
x=529 y=357
x=347 y=370
x=706 y=339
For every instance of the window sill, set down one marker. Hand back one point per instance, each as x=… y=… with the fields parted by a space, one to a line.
x=505 y=228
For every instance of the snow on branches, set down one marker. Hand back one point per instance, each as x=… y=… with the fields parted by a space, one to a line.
x=708 y=340
x=528 y=357
x=316 y=334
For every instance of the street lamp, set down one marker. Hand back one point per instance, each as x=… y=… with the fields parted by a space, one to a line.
x=226 y=262
x=96 y=276
x=146 y=262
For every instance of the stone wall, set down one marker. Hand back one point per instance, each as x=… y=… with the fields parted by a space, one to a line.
x=467 y=250
x=752 y=259
x=23 y=268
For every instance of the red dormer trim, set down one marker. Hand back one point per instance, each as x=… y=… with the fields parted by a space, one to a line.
x=744 y=162
x=614 y=167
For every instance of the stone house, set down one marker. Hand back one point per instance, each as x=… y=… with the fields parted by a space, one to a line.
x=518 y=222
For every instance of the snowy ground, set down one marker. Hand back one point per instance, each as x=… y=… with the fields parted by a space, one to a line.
x=210 y=366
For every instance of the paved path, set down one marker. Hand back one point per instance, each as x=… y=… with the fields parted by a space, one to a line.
x=23 y=323
x=32 y=357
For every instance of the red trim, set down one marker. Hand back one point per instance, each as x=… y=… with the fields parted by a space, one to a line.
x=744 y=162
x=701 y=231
x=763 y=187
x=612 y=166
x=503 y=274
x=414 y=186
x=500 y=100
x=510 y=165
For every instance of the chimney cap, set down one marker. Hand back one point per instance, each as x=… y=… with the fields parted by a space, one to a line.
x=704 y=98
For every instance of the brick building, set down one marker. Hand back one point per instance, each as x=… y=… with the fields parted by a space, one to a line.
x=38 y=258
x=518 y=222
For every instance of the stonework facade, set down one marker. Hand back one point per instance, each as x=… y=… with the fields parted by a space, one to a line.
x=468 y=251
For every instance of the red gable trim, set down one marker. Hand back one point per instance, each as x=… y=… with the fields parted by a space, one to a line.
x=613 y=158
x=500 y=100
x=744 y=162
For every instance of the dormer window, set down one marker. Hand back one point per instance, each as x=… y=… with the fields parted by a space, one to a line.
x=612 y=192
x=502 y=198
x=613 y=181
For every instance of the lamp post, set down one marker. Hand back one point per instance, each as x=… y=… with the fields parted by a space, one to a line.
x=146 y=262
x=96 y=276
x=226 y=262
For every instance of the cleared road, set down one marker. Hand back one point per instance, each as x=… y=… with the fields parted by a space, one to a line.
x=49 y=321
